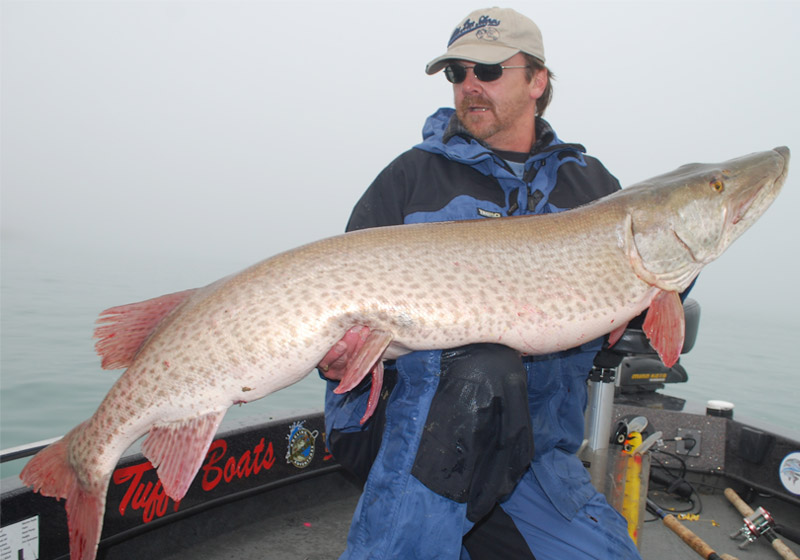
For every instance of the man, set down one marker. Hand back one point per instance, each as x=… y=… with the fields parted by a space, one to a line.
x=448 y=456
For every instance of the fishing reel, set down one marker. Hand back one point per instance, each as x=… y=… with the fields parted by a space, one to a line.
x=759 y=523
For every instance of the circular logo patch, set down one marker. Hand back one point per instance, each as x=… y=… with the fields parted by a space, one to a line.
x=790 y=472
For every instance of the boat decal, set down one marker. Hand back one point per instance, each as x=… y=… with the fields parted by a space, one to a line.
x=651 y=377
x=20 y=540
x=249 y=463
x=147 y=496
x=790 y=472
x=300 y=451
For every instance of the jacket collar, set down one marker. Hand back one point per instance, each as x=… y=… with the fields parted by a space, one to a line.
x=444 y=134
x=545 y=136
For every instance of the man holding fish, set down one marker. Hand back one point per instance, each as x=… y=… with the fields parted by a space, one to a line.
x=449 y=456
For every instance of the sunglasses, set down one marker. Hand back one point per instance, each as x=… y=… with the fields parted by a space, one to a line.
x=457 y=73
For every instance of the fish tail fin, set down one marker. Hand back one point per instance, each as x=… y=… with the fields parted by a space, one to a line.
x=85 y=519
x=50 y=474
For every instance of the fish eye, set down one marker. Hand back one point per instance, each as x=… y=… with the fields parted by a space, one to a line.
x=717 y=185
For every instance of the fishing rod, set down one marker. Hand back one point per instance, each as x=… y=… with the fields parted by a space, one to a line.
x=695 y=543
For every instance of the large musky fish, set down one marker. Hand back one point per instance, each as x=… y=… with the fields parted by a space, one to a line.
x=536 y=283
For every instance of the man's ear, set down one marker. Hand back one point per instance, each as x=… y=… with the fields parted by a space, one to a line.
x=538 y=83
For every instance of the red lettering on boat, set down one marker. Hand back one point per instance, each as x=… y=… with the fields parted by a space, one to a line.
x=150 y=497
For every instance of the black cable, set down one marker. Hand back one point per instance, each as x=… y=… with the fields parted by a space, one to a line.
x=675 y=484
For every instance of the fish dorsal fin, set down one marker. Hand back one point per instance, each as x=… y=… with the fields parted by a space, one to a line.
x=177 y=450
x=122 y=330
x=364 y=360
x=665 y=326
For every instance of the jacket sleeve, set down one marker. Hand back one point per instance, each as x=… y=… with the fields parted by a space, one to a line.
x=383 y=203
x=583 y=184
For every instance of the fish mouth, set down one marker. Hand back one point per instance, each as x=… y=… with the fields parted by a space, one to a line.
x=786 y=154
x=742 y=208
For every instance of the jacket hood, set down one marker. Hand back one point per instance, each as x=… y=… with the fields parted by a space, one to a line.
x=443 y=133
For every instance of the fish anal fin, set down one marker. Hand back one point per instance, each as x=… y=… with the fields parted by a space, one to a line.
x=177 y=450
x=122 y=330
x=364 y=360
x=665 y=327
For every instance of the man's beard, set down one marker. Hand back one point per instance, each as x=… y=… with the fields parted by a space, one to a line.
x=464 y=114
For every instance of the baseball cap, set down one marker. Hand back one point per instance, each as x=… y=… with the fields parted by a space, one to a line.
x=491 y=36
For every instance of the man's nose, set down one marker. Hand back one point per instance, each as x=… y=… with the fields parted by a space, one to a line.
x=471 y=83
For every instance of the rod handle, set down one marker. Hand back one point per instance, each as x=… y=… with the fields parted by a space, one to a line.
x=738 y=503
x=695 y=543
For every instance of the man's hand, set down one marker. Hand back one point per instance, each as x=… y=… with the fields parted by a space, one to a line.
x=334 y=364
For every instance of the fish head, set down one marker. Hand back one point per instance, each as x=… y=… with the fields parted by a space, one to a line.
x=687 y=218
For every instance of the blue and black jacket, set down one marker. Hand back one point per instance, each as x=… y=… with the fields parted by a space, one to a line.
x=453 y=176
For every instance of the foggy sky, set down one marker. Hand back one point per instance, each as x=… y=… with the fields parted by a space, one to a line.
x=234 y=130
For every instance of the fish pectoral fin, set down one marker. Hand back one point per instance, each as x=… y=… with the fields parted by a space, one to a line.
x=123 y=330
x=364 y=360
x=177 y=450
x=665 y=327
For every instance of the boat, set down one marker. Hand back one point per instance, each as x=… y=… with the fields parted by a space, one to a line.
x=697 y=482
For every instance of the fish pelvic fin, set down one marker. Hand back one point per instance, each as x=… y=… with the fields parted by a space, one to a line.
x=367 y=359
x=123 y=330
x=665 y=327
x=374 y=391
x=177 y=450
x=616 y=334
x=364 y=360
x=50 y=474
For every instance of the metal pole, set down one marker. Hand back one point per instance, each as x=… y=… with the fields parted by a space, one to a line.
x=598 y=423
